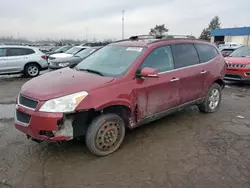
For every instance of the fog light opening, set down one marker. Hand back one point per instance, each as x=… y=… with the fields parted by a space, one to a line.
x=247 y=73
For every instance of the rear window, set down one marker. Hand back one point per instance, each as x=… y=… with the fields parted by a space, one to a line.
x=185 y=55
x=206 y=52
x=19 y=51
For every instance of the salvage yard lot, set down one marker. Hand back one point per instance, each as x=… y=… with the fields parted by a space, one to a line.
x=186 y=149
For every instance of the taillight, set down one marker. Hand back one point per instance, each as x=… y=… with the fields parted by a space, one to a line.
x=44 y=57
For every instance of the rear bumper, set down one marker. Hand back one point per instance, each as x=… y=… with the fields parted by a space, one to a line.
x=38 y=125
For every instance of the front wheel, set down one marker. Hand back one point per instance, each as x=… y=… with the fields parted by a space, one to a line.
x=105 y=134
x=213 y=99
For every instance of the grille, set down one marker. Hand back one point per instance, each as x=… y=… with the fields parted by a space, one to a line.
x=54 y=64
x=235 y=65
x=27 y=102
x=22 y=117
x=52 y=58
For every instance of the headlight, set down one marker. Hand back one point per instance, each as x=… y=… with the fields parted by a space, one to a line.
x=63 y=64
x=247 y=66
x=67 y=103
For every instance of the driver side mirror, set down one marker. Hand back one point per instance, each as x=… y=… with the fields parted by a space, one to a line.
x=147 y=72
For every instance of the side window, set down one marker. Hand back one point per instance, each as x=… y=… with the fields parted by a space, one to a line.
x=185 y=55
x=18 y=51
x=28 y=51
x=160 y=59
x=206 y=52
x=2 y=52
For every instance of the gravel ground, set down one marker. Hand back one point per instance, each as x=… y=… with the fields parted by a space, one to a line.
x=186 y=149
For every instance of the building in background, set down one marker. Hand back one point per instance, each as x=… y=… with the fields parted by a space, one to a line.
x=238 y=35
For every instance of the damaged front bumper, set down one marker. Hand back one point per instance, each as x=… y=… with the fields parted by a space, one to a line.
x=42 y=126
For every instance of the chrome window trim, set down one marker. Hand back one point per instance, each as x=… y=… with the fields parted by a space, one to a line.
x=188 y=66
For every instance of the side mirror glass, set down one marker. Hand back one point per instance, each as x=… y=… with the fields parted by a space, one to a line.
x=148 y=73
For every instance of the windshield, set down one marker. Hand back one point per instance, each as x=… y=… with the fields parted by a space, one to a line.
x=86 y=52
x=241 y=52
x=74 y=50
x=111 y=61
x=63 y=49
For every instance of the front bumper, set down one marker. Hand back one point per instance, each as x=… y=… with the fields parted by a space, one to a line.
x=39 y=125
x=237 y=75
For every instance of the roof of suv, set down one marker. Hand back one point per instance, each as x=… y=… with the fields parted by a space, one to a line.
x=145 y=40
x=17 y=46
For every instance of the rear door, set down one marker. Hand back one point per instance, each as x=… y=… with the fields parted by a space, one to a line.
x=16 y=58
x=188 y=72
x=207 y=54
x=155 y=95
x=2 y=60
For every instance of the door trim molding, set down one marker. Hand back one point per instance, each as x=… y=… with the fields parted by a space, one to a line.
x=164 y=113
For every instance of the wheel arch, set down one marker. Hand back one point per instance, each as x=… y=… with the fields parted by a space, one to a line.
x=221 y=82
x=31 y=62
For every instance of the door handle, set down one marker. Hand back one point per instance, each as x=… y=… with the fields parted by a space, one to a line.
x=203 y=72
x=174 y=79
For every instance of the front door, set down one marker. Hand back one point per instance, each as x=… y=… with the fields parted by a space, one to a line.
x=189 y=72
x=156 y=95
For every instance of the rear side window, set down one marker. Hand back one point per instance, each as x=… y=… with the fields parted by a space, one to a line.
x=206 y=52
x=185 y=55
x=19 y=51
x=2 y=52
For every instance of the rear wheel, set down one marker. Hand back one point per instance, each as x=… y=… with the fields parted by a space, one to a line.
x=105 y=134
x=31 y=70
x=213 y=99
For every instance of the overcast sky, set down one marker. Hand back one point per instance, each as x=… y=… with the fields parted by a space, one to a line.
x=39 y=19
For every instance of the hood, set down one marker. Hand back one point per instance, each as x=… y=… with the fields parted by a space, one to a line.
x=238 y=60
x=67 y=59
x=61 y=55
x=62 y=82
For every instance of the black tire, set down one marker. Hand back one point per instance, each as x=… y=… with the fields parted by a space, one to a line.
x=205 y=107
x=28 y=72
x=101 y=131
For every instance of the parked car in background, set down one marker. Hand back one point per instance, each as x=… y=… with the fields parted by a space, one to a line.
x=229 y=45
x=238 y=65
x=227 y=52
x=60 y=49
x=123 y=85
x=69 y=53
x=22 y=59
x=71 y=61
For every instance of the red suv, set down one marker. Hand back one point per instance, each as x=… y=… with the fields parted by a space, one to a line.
x=123 y=85
x=238 y=65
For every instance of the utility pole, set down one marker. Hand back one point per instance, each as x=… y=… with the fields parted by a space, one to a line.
x=123 y=24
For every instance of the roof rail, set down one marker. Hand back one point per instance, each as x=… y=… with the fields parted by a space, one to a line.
x=160 y=37
x=179 y=37
x=137 y=37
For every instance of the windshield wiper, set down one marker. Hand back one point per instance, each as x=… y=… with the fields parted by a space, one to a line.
x=91 y=71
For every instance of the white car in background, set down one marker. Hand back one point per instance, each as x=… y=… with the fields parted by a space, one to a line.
x=22 y=59
x=69 y=53
x=229 y=45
